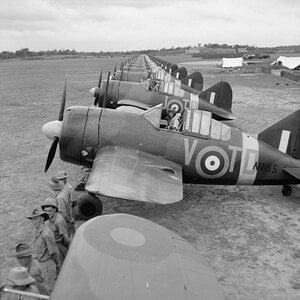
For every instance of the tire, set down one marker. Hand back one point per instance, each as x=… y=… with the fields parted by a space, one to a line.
x=88 y=206
x=286 y=190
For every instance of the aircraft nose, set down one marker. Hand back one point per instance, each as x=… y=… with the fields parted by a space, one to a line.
x=95 y=91
x=52 y=129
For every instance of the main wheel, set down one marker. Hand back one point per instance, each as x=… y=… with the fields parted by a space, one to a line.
x=286 y=190
x=88 y=206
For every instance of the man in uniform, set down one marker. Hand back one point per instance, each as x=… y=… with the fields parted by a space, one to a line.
x=63 y=177
x=58 y=226
x=62 y=197
x=45 y=247
x=18 y=279
x=23 y=253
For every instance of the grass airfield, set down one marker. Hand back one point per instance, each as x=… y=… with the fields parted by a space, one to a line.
x=249 y=235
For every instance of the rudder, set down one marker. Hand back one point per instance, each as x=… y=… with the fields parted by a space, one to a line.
x=284 y=135
x=219 y=94
x=196 y=81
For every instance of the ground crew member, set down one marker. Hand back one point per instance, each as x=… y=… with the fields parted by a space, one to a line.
x=58 y=226
x=19 y=279
x=63 y=176
x=45 y=247
x=62 y=197
x=23 y=253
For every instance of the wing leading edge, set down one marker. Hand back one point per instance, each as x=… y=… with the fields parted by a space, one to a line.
x=135 y=175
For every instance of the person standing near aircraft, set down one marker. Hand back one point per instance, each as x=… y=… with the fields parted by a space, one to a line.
x=23 y=253
x=63 y=200
x=18 y=279
x=45 y=247
x=58 y=226
x=63 y=177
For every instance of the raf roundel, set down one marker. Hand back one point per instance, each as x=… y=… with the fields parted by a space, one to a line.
x=212 y=162
x=128 y=237
x=175 y=105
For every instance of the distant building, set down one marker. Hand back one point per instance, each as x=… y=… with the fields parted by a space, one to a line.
x=192 y=50
x=206 y=50
x=242 y=50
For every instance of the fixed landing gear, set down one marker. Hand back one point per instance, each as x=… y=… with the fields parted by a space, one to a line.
x=286 y=190
x=87 y=207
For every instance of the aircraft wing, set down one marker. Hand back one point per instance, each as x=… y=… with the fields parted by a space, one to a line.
x=134 y=103
x=135 y=175
x=126 y=257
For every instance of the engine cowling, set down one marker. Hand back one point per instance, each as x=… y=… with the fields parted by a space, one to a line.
x=87 y=207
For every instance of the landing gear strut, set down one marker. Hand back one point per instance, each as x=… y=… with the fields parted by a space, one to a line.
x=286 y=190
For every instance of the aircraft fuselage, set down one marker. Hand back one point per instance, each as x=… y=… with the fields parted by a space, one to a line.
x=217 y=154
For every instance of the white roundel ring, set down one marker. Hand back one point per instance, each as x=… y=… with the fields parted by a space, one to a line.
x=212 y=162
x=175 y=104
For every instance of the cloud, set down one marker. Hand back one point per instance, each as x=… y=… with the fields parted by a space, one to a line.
x=137 y=24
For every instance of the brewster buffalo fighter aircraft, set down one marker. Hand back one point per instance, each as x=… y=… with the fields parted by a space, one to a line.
x=217 y=99
x=175 y=93
x=132 y=157
x=126 y=257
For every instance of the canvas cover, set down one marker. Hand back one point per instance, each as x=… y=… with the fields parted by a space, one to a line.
x=289 y=62
x=232 y=62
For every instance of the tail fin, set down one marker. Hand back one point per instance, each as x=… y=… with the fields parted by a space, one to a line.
x=194 y=80
x=182 y=73
x=284 y=135
x=173 y=68
x=219 y=94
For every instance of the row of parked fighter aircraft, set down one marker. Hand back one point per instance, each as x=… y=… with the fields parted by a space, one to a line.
x=134 y=154
x=129 y=140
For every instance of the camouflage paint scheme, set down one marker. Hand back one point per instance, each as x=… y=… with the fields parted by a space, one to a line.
x=127 y=257
x=118 y=90
x=216 y=154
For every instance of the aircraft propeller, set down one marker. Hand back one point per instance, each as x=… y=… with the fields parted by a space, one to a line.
x=53 y=129
x=106 y=88
x=97 y=98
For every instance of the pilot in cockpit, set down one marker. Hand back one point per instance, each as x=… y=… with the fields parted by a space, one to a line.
x=174 y=120
x=154 y=86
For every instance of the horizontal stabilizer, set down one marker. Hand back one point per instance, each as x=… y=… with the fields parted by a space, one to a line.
x=219 y=94
x=295 y=172
x=284 y=135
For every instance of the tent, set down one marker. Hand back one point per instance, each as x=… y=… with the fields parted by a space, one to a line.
x=289 y=62
x=232 y=62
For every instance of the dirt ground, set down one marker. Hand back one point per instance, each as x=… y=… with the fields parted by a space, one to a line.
x=249 y=235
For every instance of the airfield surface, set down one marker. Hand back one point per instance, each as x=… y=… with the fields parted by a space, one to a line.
x=249 y=235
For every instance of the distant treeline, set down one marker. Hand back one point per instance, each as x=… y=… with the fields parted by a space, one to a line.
x=25 y=53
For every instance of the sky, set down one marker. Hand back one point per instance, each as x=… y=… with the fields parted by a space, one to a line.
x=118 y=25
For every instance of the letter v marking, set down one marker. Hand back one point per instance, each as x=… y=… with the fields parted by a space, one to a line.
x=188 y=153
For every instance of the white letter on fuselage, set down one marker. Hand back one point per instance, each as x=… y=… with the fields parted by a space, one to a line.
x=188 y=153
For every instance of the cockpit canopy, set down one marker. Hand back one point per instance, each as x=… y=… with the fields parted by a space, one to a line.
x=193 y=122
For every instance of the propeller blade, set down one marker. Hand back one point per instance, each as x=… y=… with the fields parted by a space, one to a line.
x=100 y=79
x=97 y=98
x=106 y=88
x=51 y=153
x=121 y=74
x=63 y=102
